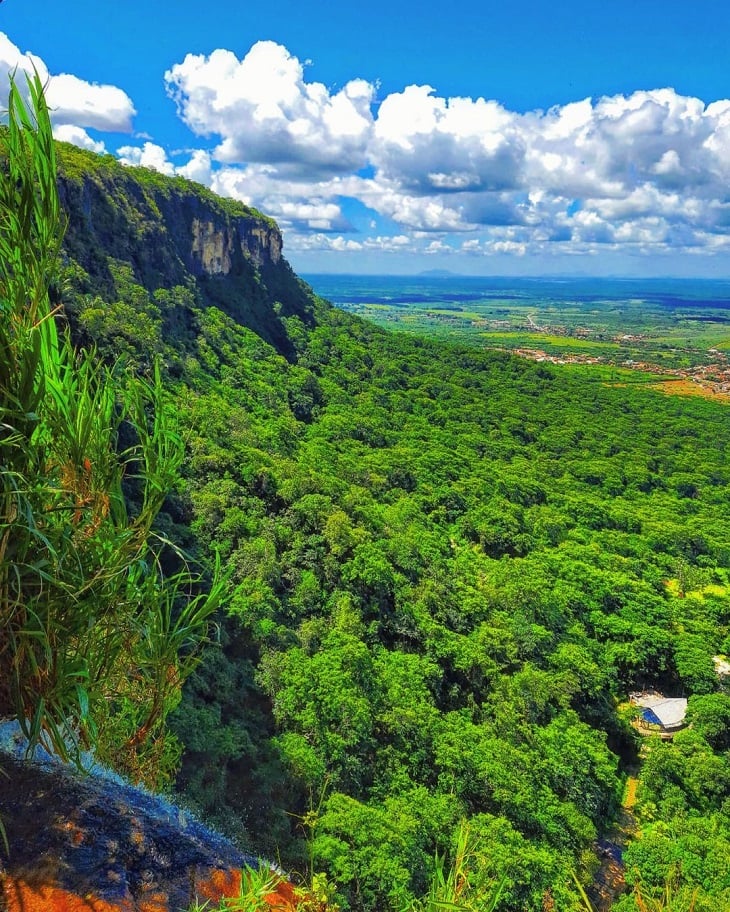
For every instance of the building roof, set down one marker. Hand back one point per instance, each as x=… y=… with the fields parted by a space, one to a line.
x=669 y=712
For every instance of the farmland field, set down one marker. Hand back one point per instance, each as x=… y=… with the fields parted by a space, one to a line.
x=677 y=320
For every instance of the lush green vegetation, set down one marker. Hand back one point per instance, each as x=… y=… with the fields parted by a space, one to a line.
x=96 y=639
x=450 y=564
x=447 y=569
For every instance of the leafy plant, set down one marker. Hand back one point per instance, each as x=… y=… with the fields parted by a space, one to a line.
x=459 y=885
x=89 y=624
x=672 y=897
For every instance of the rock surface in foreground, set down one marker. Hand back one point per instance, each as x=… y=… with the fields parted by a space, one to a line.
x=91 y=844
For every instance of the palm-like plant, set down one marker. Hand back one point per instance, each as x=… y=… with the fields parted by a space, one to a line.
x=90 y=631
x=460 y=886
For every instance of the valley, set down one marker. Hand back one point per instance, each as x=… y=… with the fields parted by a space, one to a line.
x=673 y=334
x=438 y=570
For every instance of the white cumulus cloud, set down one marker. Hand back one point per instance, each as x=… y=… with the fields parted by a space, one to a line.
x=72 y=101
x=84 y=104
x=78 y=137
x=302 y=204
x=149 y=155
x=324 y=243
x=264 y=111
x=198 y=168
x=430 y=144
x=12 y=59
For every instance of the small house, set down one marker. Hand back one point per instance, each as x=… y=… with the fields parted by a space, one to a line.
x=660 y=714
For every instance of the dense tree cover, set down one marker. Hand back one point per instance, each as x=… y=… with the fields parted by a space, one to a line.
x=448 y=568
x=685 y=813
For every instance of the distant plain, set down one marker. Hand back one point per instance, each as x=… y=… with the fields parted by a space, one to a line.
x=670 y=324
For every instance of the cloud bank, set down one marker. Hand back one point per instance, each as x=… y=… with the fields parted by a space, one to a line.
x=343 y=169
x=646 y=172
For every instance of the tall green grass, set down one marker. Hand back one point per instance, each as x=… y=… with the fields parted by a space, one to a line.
x=457 y=883
x=94 y=641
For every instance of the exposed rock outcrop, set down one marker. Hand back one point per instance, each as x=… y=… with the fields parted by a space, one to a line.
x=93 y=844
x=172 y=232
x=216 y=245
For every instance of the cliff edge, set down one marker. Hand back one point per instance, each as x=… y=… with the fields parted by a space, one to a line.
x=173 y=232
x=92 y=843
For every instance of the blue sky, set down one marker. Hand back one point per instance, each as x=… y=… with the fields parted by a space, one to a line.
x=484 y=138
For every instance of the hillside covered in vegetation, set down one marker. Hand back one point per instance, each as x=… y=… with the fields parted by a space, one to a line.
x=447 y=570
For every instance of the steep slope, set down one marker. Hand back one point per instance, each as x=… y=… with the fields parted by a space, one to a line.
x=448 y=567
x=175 y=233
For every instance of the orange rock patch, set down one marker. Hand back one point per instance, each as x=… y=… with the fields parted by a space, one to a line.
x=219 y=885
x=284 y=899
x=19 y=896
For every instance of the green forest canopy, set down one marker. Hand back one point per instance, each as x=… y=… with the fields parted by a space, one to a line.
x=448 y=568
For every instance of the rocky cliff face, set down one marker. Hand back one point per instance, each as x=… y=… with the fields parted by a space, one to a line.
x=215 y=245
x=173 y=232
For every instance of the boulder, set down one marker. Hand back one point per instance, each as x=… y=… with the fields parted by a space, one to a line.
x=92 y=843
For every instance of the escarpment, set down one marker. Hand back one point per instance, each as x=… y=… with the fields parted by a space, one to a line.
x=172 y=232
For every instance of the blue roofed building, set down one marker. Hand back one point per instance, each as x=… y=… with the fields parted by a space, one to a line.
x=664 y=715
